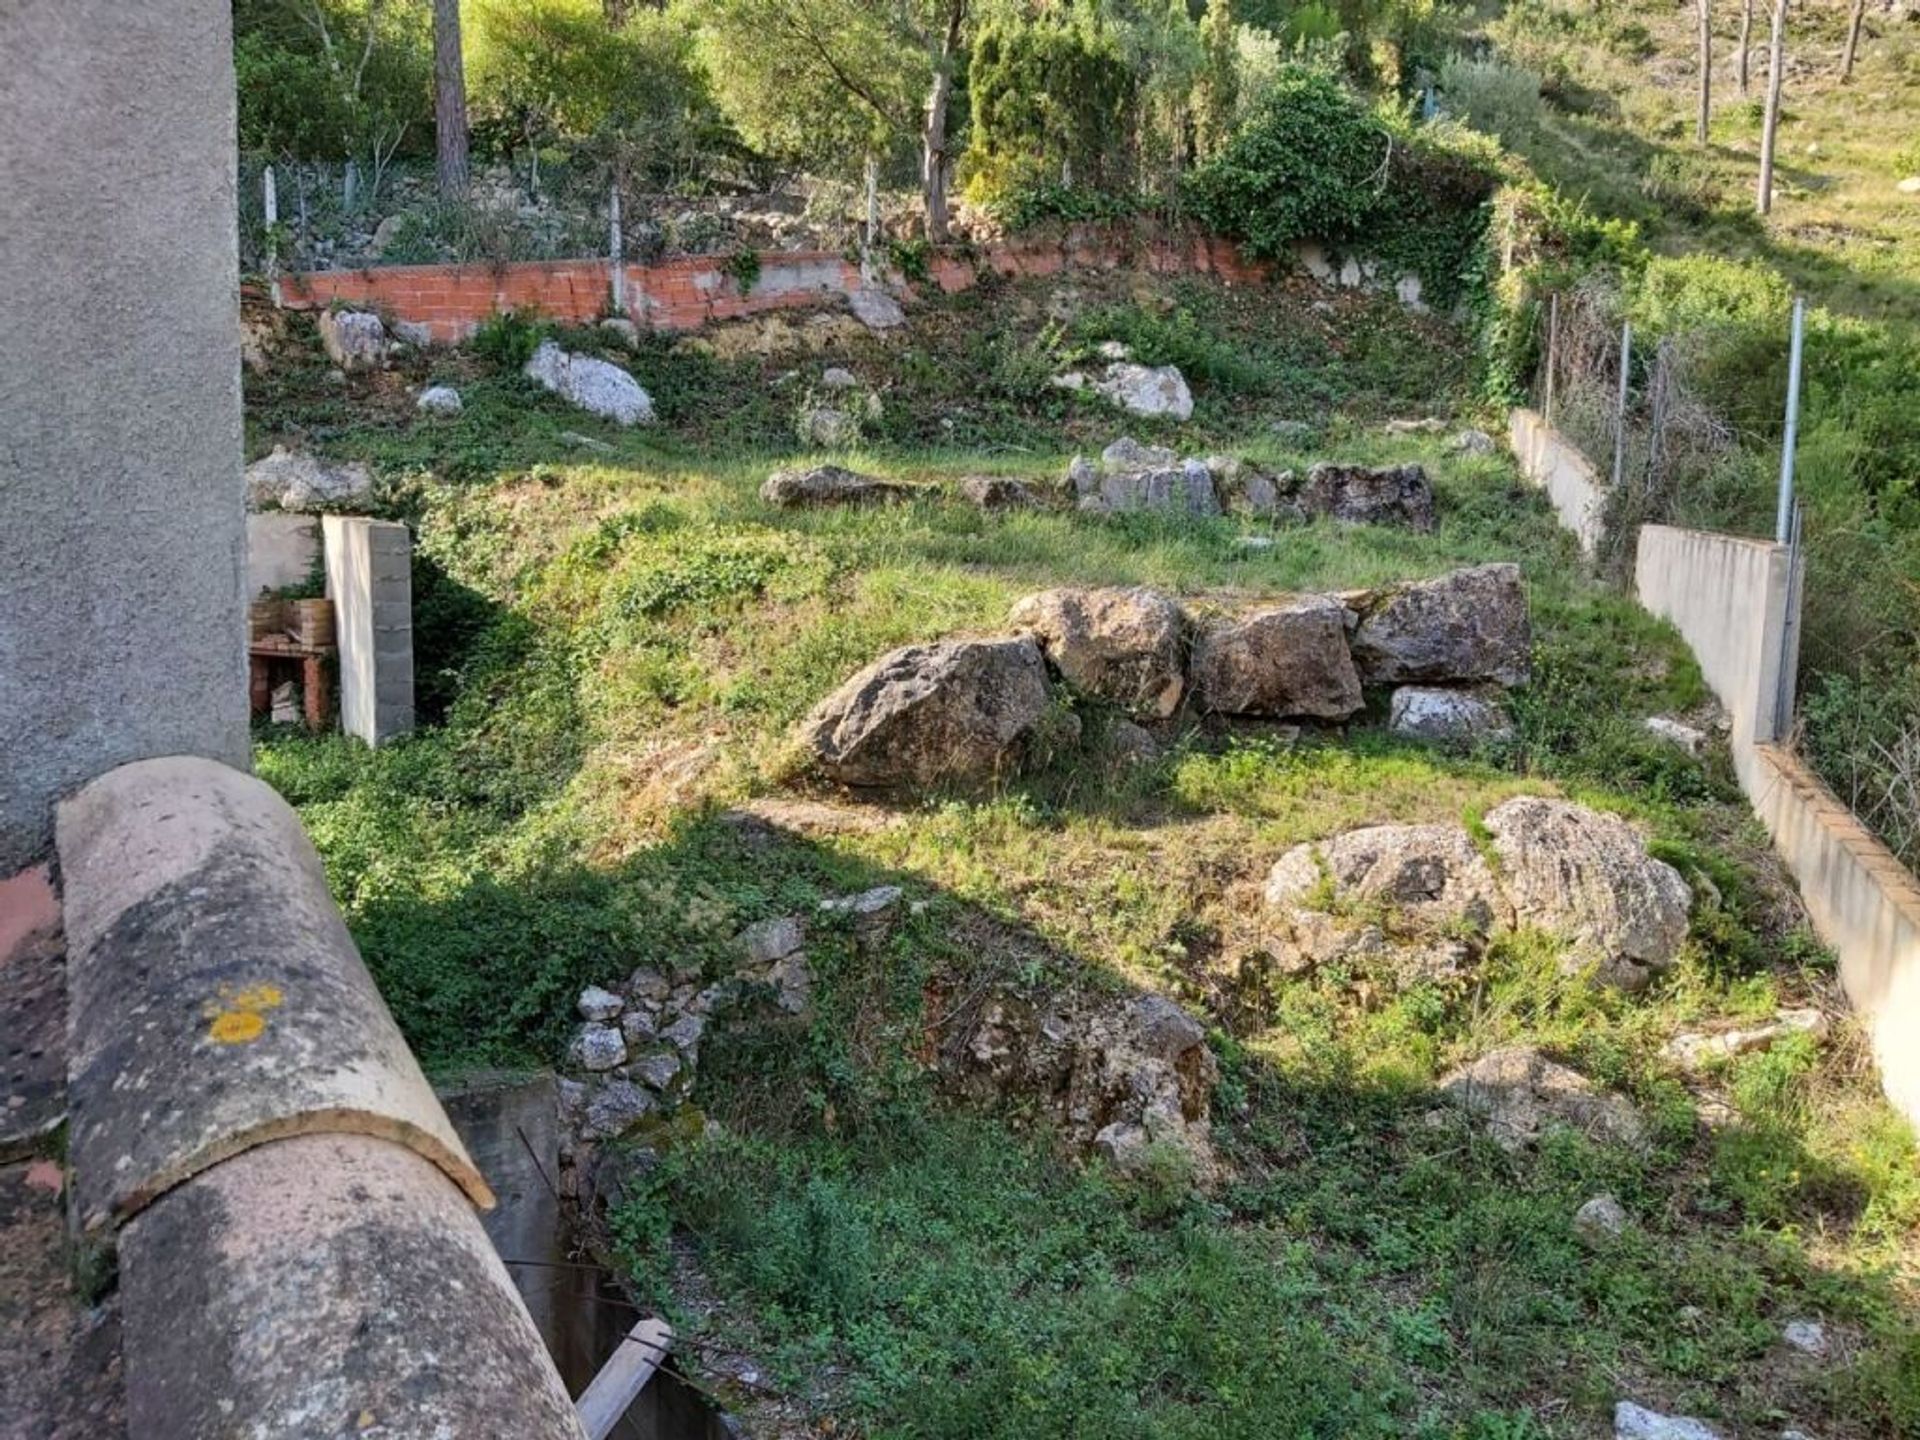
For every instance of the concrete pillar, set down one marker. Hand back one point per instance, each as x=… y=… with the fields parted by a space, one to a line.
x=122 y=622
x=370 y=580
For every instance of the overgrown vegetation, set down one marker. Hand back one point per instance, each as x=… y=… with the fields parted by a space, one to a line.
x=617 y=640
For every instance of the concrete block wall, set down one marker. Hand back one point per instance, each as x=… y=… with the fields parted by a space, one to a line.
x=370 y=581
x=1573 y=486
x=1734 y=601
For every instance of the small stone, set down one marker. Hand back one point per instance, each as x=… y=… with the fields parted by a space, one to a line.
x=598 y=1004
x=1600 y=1221
x=1909 y=186
x=1472 y=442
x=614 y=1108
x=1697 y=1049
x=648 y=984
x=354 y=339
x=596 y=386
x=657 y=1070
x=1447 y=716
x=1633 y=1422
x=684 y=1034
x=837 y=377
x=876 y=309
x=439 y=400
x=1426 y=425
x=997 y=492
x=1809 y=1337
x=866 y=905
x=769 y=940
x=598 y=1047
x=622 y=329
x=1255 y=543
x=1131 y=743
x=638 y=1027
x=1676 y=733
x=1114 y=350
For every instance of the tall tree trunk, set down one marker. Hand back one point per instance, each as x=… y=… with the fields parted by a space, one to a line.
x=449 y=100
x=1746 y=45
x=1776 y=64
x=1704 y=9
x=934 y=163
x=1854 y=21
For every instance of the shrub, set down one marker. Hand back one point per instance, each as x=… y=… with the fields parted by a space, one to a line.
x=1493 y=96
x=1684 y=180
x=1692 y=292
x=507 y=339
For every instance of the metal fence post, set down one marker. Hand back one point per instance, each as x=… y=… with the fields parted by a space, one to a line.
x=270 y=207
x=1783 y=517
x=1620 y=406
x=1553 y=348
x=615 y=251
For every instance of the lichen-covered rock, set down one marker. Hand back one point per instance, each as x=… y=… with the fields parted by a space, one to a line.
x=1151 y=390
x=1127 y=453
x=1587 y=876
x=954 y=711
x=1286 y=660
x=1634 y=1422
x=597 y=1047
x=829 y=427
x=827 y=485
x=1444 y=716
x=1600 y=1221
x=613 y=1108
x=1127 y=646
x=1398 y=495
x=1125 y=1079
x=597 y=386
x=997 y=492
x=1432 y=877
x=354 y=339
x=596 y=1004
x=1520 y=1095
x=1466 y=626
x=295 y=480
x=1186 y=488
x=876 y=309
x=439 y=400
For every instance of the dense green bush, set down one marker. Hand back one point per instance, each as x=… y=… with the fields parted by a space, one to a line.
x=306 y=92
x=1053 y=100
x=1317 y=164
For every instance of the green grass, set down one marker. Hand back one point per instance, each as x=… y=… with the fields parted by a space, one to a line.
x=614 y=648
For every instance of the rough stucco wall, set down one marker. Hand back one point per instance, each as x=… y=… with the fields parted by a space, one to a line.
x=121 y=514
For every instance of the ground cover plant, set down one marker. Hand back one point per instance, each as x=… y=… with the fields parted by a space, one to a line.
x=615 y=636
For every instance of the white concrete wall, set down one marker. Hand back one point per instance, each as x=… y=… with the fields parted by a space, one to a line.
x=370 y=581
x=1732 y=600
x=1728 y=598
x=281 y=550
x=1861 y=900
x=1573 y=486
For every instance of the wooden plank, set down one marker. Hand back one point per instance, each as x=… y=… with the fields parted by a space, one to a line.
x=623 y=1377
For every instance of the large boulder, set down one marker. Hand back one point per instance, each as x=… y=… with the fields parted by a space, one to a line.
x=1147 y=390
x=1432 y=877
x=1519 y=1095
x=1370 y=495
x=596 y=386
x=1470 y=625
x=952 y=711
x=295 y=480
x=1588 y=877
x=354 y=339
x=1286 y=660
x=1127 y=646
x=827 y=485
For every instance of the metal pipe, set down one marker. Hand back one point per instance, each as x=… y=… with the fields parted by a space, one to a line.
x=1620 y=408
x=1783 y=517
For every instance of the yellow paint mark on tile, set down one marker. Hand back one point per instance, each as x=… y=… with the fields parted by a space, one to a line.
x=238 y=1017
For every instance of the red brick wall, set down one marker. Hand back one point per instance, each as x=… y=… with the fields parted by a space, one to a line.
x=684 y=294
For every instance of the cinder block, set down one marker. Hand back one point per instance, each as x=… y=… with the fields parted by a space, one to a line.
x=369 y=577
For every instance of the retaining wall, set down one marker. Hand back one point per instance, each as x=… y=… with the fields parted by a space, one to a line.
x=684 y=294
x=1735 y=602
x=1573 y=486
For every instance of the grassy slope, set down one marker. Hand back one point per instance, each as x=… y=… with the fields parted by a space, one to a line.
x=622 y=646
x=1623 y=77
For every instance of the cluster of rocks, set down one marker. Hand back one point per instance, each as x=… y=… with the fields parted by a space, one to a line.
x=1152 y=391
x=823 y=485
x=637 y=1047
x=295 y=480
x=834 y=414
x=971 y=710
x=1131 y=476
x=1124 y=1077
x=597 y=386
x=1420 y=901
